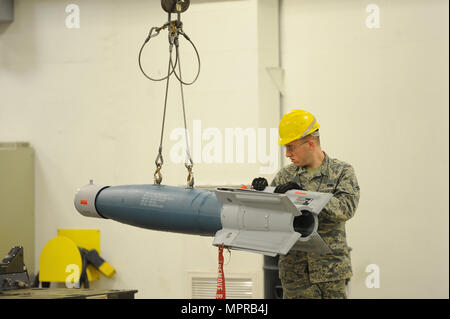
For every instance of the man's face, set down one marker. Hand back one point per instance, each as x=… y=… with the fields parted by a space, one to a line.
x=299 y=152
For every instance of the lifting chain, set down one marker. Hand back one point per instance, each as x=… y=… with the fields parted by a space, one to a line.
x=175 y=28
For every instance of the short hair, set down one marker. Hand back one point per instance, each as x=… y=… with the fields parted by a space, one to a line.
x=315 y=136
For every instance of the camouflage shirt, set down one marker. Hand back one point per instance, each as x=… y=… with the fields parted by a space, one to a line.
x=333 y=176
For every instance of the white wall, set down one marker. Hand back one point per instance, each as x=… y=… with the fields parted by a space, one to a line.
x=381 y=97
x=78 y=96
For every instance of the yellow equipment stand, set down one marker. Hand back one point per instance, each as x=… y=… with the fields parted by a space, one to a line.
x=61 y=260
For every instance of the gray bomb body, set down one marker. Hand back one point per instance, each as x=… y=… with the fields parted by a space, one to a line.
x=158 y=207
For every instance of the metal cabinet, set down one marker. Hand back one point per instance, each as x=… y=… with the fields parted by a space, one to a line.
x=17 y=200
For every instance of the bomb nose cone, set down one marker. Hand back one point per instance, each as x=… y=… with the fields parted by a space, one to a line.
x=84 y=200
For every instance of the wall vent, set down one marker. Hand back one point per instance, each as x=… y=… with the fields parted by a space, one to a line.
x=204 y=286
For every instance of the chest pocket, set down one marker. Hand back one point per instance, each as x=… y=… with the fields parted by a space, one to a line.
x=327 y=186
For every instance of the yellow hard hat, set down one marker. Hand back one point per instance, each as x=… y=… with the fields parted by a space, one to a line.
x=296 y=124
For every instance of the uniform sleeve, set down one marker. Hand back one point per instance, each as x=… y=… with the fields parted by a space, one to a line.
x=344 y=202
x=282 y=177
x=276 y=180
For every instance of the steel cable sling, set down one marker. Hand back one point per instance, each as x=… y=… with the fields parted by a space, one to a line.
x=175 y=28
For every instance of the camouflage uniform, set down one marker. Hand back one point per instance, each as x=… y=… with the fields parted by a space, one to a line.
x=310 y=275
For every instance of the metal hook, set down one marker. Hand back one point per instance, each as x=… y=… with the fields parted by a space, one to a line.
x=190 y=177
x=158 y=179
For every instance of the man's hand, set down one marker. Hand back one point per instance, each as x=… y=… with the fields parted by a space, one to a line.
x=259 y=183
x=283 y=188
